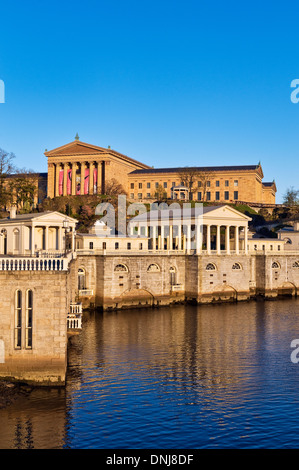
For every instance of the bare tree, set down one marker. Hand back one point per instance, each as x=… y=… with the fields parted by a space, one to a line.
x=114 y=188
x=195 y=179
x=6 y=169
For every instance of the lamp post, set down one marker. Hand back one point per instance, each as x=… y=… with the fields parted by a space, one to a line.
x=66 y=225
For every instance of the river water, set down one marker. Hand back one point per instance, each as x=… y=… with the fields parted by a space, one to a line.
x=187 y=377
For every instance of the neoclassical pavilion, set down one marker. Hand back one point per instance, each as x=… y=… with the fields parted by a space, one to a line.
x=37 y=233
x=213 y=229
x=79 y=168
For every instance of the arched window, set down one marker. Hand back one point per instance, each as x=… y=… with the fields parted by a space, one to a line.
x=81 y=279
x=211 y=267
x=275 y=265
x=18 y=319
x=173 y=280
x=287 y=241
x=153 y=268
x=29 y=319
x=4 y=235
x=296 y=264
x=236 y=266
x=121 y=268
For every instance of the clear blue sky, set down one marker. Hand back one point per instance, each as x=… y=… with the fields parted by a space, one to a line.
x=169 y=83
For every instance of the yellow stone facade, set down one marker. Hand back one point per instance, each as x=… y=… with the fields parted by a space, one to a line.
x=79 y=168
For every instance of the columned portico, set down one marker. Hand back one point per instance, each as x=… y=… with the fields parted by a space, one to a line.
x=212 y=234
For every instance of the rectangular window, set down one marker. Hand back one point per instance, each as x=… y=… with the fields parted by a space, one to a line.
x=217 y=183
x=236 y=183
x=132 y=185
x=226 y=195
x=208 y=184
x=140 y=246
x=140 y=185
x=91 y=245
x=208 y=196
x=236 y=195
x=148 y=185
x=226 y=183
x=199 y=196
x=18 y=319
x=128 y=246
x=156 y=185
x=164 y=185
x=217 y=196
x=29 y=315
x=116 y=245
x=131 y=196
x=148 y=194
x=139 y=195
x=173 y=184
x=104 y=245
x=199 y=184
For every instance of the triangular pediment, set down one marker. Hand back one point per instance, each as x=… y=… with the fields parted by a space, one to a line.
x=76 y=148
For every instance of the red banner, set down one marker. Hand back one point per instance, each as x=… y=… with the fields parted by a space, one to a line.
x=86 y=181
x=95 y=181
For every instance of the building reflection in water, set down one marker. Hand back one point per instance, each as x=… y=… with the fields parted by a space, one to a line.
x=36 y=421
x=139 y=377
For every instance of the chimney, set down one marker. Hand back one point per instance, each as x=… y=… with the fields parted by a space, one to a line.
x=13 y=211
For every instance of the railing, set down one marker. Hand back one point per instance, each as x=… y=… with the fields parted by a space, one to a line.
x=74 y=321
x=74 y=317
x=85 y=292
x=33 y=264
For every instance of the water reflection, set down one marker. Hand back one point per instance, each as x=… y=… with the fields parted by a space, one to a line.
x=183 y=377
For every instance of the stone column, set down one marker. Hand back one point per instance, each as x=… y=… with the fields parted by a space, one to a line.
x=51 y=180
x=103 y=176
x=59 y=238
x=57 y=170
x=32 y=240
x=170 y=237
x=188 y=238
x=65 y=167
x=218 y=240
x=227 y=239
x=237 y=239
x=246 y=239
x=82 y=177
x=179 y=237
x=74 y=169
x=154 y=237
x=199 y=228
x=162 y=237
x=46 y=238
x=208 y=239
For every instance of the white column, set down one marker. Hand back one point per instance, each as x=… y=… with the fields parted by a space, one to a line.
x=198 y=235
x=162 y=237
x=188 y=238
x=46 y=238
x=60 y=238
x=227 y=240
x=170 y=237
x=246 y=239
x=218 y=240
x=237 y=239
x=208 y=239
x=32 y=240
x=154 y=237
x=180 y=237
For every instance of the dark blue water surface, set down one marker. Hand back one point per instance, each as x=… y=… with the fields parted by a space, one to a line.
x=183 y=377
